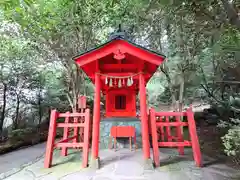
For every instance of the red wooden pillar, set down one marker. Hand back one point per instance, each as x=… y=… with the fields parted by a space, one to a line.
x=51 y=139
x=96 y=118
x=155 y=148
x=86 y=138
x=180 y=136
x=144 y=117
x=65 y=134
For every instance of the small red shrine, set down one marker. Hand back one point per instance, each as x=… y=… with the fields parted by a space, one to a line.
x=120 y=70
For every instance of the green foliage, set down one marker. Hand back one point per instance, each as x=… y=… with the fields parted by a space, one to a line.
x=21 y=135
x=231 y=140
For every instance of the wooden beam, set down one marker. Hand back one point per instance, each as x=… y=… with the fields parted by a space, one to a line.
x=174 y=144
x=72 y=145
x=122 y=74
x=114 y=67
x=140 y=66
x=97 y=65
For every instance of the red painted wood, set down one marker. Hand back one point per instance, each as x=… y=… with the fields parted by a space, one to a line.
x=118 y=67
x=82 y=105
x=122 y=45
x=119 y=58
x=71 y=115
x=51 y=138
x=161 y=128
x=194 y=138
x=65 y=125
x=171 y=114
x=82 y=102
x=96 y=118
x=65 y=140
x=154 y=138
x=86 y=139
x=65 y=134
x=144 y=119
x=168 y=131
x=174 y=144
x=129 y=111
x=179 y=138
x=105 y=54
x=122 y=131
x=179 y=135
x=75 y=129
x=72 y=145
x=172 y=124
x=135 y=77
x=64 y=143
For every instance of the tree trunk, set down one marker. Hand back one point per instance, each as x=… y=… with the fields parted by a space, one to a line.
x=181 y=93
x=234 y=18
x=39 y=107
x=3 y=108
x=165 y=72
x=16 y=123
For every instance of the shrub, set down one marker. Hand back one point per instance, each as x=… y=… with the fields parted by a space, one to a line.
x=231 y=140
x=22 y=135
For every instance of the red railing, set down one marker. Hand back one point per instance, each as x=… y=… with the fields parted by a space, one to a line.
x=160 y=123
x=80 y=122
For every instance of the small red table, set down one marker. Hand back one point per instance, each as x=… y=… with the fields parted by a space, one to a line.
x=122 y=131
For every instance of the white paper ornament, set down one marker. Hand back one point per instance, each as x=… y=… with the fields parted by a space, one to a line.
x=128 y=82
x=106 y=80
x=119 y=83
x=110 y=82
x=131 y=81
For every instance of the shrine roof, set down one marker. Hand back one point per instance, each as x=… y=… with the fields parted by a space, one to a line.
x=119 y=56
x=118 y=38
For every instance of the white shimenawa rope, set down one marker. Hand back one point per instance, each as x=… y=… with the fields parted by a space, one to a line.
x=121 y=79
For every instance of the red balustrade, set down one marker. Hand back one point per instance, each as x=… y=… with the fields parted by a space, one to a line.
x=160 y=126
x=72 y=120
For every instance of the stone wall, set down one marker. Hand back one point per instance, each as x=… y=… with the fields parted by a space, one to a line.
x=106 y=125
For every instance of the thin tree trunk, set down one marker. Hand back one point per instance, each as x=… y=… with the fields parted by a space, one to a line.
x=165 y=72
x=16 y=123
x=39 y=107
x=181 y=94
x=180 y=105
x=3 y=108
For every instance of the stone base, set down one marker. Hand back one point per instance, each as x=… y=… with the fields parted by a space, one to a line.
x=148 y=164
x=95 y=163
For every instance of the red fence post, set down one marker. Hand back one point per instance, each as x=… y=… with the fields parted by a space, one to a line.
x=168 y=130
x=86 y=138
x=51 y=139
x=161 y=129
x=65 y=134
x=154 y=138
x=179 y=136
x=76 y=130
x=194 y=138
